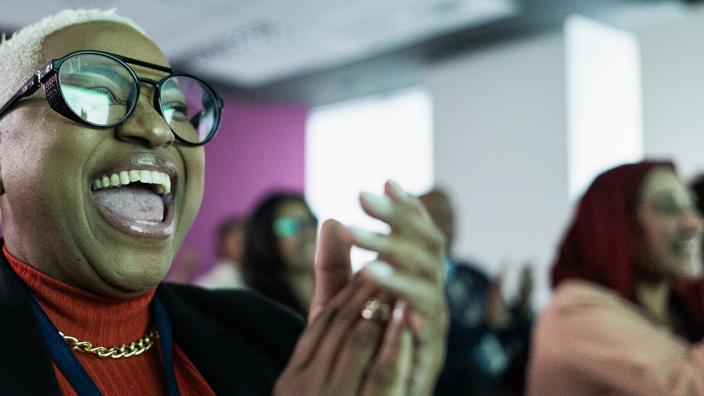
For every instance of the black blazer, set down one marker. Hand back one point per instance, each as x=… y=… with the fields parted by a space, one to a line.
x=238 y=341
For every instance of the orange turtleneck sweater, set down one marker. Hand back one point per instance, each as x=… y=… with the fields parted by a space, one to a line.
x=109 y=322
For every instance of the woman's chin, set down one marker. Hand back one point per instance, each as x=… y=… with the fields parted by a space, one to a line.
x=687 y=271
x=132 y=283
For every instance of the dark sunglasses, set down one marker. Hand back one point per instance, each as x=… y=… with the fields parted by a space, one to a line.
x=99 y=89
x=289 y=226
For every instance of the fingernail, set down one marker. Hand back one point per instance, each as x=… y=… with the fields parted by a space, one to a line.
x=396 y=188
x=377 y=203
x=379 y=269
x=399 y=307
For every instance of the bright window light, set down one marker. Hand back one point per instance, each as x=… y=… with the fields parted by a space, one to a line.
x=604 y=109
x=90 y=105
x=356 y=146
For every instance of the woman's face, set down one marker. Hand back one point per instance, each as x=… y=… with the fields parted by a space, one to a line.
x=670 y=228
x=96 y=240
x=295 y=229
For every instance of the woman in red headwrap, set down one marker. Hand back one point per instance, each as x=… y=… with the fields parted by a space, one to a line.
x=627 y=315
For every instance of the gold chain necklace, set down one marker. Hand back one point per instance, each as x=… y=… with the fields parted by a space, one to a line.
x=136 y=348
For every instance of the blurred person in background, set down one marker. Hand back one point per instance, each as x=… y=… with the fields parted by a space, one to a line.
x=627 y=313
x=697 y=187
x=227 y=273
x=488 y=340
x=280 y=250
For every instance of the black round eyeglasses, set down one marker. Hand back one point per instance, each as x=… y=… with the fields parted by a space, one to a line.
x=99 y=89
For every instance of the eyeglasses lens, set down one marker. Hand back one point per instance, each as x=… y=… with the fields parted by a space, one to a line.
x=189 y=108
x=289 y=226
x=97 y=88
x=102 y=91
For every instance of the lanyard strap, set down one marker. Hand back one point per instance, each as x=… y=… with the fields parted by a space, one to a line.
x=71 y=367
x=164 y=325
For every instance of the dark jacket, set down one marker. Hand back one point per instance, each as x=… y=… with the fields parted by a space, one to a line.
x=238 y=341
x=474 y=347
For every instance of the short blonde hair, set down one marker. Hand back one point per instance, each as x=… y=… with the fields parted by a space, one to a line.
x=20 y=53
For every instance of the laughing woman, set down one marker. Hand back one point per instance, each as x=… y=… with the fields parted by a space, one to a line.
x=101 y=176
x=627 y=315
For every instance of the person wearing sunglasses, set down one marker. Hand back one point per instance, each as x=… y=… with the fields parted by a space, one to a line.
x=101 y=176
x=280 y=250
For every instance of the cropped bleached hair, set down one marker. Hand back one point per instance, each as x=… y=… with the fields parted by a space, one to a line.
x=20 y=53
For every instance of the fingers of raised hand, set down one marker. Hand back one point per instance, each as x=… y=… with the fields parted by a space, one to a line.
x=426 y=297
x=355 y=355
x=415 y=244
x=390 y=371
x=337 y=346
x=317 y=328
x=429 y=359
x=406 y=216
x=332 y=264
x=406 y=254
x=428 y=321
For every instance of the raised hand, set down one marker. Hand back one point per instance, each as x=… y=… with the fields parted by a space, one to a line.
x=404 y=358
x=410 y=266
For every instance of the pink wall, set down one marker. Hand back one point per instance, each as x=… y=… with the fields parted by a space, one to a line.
x=258 y=147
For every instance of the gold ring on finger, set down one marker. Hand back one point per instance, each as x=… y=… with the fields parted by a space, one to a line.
x=376 y=310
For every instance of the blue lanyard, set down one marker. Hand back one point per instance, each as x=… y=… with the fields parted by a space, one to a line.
x=71 y=367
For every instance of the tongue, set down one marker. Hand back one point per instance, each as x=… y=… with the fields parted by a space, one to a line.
x=134 y=201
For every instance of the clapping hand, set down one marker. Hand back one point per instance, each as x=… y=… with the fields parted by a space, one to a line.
x=341 y=352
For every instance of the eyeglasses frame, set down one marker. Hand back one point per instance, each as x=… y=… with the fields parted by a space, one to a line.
x=301 y=224
x=47 y=76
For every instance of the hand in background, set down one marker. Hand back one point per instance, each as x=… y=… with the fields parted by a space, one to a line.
x=496 y=312
x=526 y=285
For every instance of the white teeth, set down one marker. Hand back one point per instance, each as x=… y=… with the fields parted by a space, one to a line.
x=134 y=176
x=156 y=177
x=124 y=178
x=161 y=181
x=147 y=222
x=145 y=176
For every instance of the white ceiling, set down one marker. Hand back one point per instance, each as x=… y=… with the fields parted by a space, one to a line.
x=253 y=42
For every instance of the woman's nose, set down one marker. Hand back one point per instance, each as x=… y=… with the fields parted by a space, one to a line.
x=691 y=222
x=145 y=126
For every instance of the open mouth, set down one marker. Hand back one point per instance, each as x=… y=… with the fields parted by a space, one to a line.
x=136 y=201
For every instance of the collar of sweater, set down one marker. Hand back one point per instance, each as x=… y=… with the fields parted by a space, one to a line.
x=100 y=320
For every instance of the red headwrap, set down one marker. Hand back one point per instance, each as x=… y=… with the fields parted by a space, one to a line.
x=599 y=246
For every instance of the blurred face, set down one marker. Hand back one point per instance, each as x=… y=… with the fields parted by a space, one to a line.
x=233 y=245
x=117 y=241
x=670 y=228
x=295 y=229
